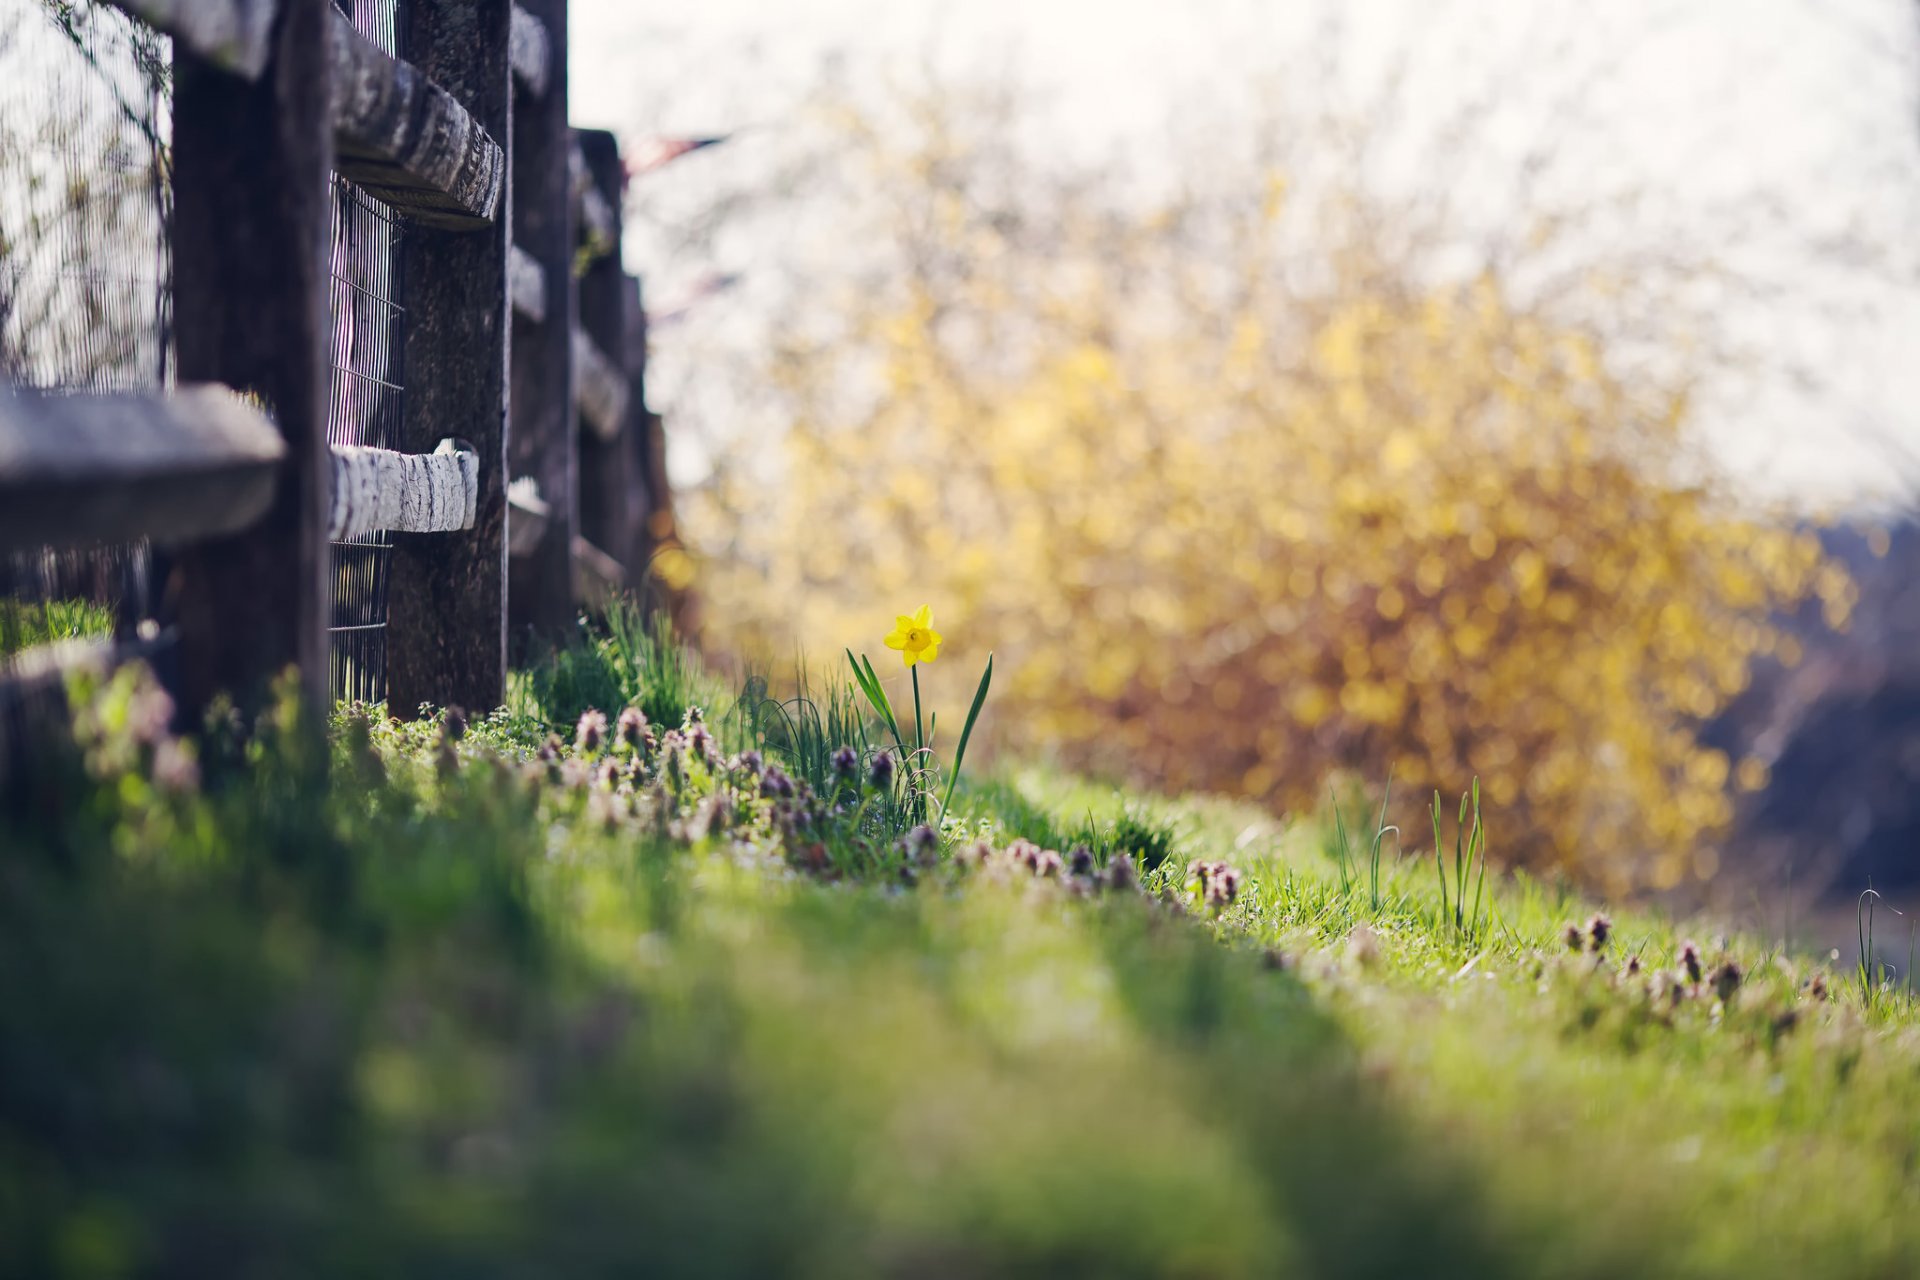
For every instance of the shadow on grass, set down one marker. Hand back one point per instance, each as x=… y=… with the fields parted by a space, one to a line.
x=1362 y=1189
x=411 y=1024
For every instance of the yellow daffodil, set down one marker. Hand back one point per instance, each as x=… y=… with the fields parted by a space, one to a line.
x=915 y=637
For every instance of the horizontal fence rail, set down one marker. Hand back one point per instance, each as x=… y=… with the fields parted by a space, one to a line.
x=602 y=387
x=528 y=50
x=527 y=516
x=403 y=492
x=599 y=226
x=77 y=470
x=233 y=34
x=597 y=576
x=407 y=141
x=527 y=283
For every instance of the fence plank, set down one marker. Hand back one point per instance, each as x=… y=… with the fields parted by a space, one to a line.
x=446 y=633
x=407 y=140
x=542 y=444
x=234 y=35
x=250 y=182
x=77 y=470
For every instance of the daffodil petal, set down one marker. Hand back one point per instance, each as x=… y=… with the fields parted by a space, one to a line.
x=929 y=653
x=896 y=640
x=909 y=656
x=933 y=638
x=924 y=618
x=903 y=622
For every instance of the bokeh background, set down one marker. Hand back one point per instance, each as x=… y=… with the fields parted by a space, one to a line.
x=1321 y=392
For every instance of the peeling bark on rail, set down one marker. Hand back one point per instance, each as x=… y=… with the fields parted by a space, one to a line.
x=408 y=141
x=403 y=492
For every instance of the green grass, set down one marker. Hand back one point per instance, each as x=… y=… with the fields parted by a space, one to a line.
x=461 y=1009
x=24 y=624
x=624 y=658
x=1771 y=1133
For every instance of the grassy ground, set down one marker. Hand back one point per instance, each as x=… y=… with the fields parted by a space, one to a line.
x=480 y=1004
x=24 y=624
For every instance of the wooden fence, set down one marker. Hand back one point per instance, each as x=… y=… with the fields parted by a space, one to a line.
x=410 y=367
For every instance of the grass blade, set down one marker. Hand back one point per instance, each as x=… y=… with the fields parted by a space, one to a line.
x=1459 y=868
x=1863 y=924
x=966 y=731
x=1340 y=830
x=1373 y=854
x=877 y=695
x=1480 y=881
x=1480 y=855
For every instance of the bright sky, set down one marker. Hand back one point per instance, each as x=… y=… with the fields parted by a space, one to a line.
x=1803 y=109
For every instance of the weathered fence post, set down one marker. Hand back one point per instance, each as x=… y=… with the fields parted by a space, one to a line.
x=249 y=250
x=642 y=441
x=543 y=445
x=447 y=602
x=607 y=472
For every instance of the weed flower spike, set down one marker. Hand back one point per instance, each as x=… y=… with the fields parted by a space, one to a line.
x=591 y=732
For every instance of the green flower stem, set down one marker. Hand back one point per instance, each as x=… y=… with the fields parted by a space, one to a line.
x=919 y=731
x=920 y=748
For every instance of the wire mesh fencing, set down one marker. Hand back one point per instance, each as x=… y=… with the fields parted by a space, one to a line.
x=366 y=401
x=85 y=214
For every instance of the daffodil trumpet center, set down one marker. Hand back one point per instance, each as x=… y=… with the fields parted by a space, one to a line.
x=914 y=638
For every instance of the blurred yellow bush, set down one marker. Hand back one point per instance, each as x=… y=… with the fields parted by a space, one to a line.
x=1244 y=502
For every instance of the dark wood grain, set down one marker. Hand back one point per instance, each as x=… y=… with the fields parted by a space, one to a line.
x=541 y=604
x=446 y=634
x=251 y=163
